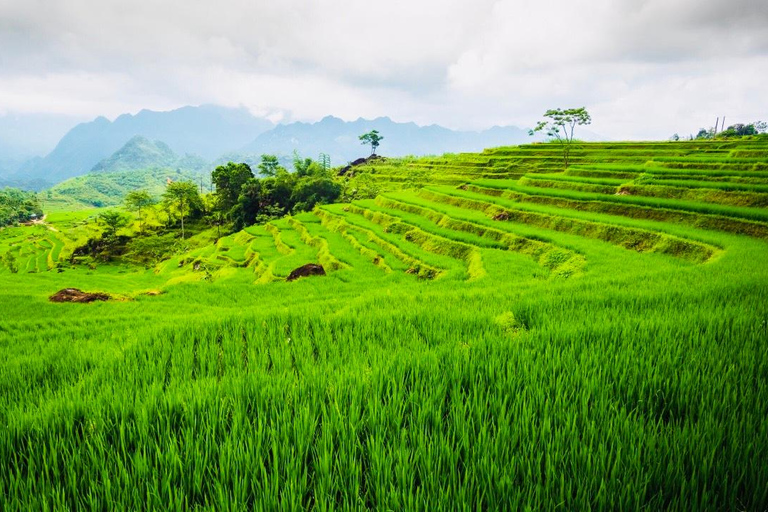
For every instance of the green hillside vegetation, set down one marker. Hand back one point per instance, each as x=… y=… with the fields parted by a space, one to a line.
x=138 y=153
x=140 y=164
x=494 y=332
x=17 y=206
x=110 y=189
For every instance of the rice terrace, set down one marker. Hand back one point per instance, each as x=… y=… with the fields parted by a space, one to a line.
x=501 y=334
x=335 y=256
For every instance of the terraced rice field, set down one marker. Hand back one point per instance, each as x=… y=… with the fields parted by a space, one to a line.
x=493 y=333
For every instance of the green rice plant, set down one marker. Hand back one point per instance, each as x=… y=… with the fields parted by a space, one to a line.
x=637 y=383
x=328 y=260
x=617 y=205
x=629 y=238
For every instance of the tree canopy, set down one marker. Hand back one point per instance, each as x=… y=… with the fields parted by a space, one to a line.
x=278 y=192
x=229 y=179
x=373 y=138
x=112 y=220
x=183 y=196
x=138 y=200
x=18 y=206
x=559 y=125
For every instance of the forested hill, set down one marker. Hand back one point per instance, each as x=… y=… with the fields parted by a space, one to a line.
x=17 y=206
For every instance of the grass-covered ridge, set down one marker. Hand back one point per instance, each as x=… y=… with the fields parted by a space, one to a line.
x=481 y=340
x=100 y=189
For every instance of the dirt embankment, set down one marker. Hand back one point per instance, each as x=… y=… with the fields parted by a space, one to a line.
x=360 y=161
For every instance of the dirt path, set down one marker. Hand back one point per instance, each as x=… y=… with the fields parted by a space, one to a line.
x=41 y=222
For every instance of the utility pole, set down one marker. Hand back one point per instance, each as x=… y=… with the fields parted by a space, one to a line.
x=717 y=121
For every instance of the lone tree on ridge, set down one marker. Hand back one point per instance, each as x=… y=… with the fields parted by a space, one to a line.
x=559 y=125
x=373 y=138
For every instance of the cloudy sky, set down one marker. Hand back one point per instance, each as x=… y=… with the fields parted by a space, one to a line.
x=643 y=68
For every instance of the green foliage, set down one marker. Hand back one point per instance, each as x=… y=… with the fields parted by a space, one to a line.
x=10 y=262
x=18 y=206
x=360 y=186
x=269 y=166
x=139 y=200
x=314 y=190
x=373 y=138
x=112 y=220
x=742 y=130
x=184 y=197
x=229 y=180
x=560 y=125
x=151 y=250
x=110 y=189
x=483 y=342
x=280 y=192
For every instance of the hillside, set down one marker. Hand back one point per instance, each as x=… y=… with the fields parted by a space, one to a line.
x=141 y=153
x=493 y=330
x=109 y=189
x=138 y=153
x=17 y=206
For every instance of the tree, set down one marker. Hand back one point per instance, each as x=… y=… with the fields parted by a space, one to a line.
x=10 y=262
x=315 y=190
x=112 y=220
x=229 y=180
x=560 y=125
x=182 y=194
x=373 y=138
x=249 y=204
x=137 y=200
x=742 y=130
x=269 y=165
x=325 y=161
x=304 y=167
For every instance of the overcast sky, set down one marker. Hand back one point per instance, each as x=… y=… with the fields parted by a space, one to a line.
x=643 y=68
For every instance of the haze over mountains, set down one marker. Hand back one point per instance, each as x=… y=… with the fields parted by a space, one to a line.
x=192 y=138
x=339 y=139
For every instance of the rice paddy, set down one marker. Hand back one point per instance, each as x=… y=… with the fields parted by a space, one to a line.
x=493 y=333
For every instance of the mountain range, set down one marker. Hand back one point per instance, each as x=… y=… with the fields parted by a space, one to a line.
x=207 y=131
x=209 y=135
x=340 y=139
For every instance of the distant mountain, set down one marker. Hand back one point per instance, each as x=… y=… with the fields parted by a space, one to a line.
x=139 y=164
x=141 y=153
x=207 y=130
x=339 y=139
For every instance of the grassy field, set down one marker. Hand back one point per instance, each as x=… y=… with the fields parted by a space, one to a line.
x=493 y=334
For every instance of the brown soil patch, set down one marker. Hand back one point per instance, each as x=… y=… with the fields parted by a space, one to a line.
x=310 y=269
x=501 y=216
x=75 y=295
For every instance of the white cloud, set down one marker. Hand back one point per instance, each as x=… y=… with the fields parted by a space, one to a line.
x=646 y=68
